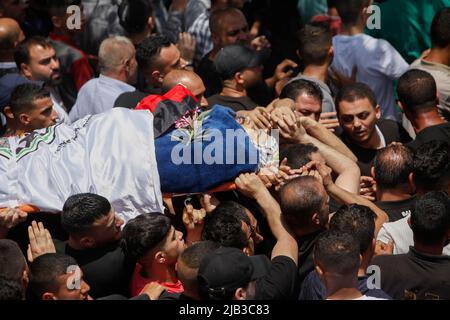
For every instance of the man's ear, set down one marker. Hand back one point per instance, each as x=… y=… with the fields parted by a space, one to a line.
x=8 y=112
x=24 y=119
x=319 y=271
x=48 y=296
x=157 y=76
x=26 y=70
x=411 y=182
x=160 y=257
x=239 y=78
x=378 y=112
x=151 y=24
x=87 y=242
x=25 y=279
x=372 y=172
x=331 y=52
x=240 y=294
x=298 y=53
x=315 y=219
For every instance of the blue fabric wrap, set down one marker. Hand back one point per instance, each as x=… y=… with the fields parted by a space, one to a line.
x=190 y=176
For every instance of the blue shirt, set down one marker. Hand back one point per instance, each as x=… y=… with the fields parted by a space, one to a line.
x=313 y=289
x=98 y=95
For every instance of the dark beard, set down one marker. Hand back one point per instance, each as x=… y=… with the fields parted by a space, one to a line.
x=260 y=93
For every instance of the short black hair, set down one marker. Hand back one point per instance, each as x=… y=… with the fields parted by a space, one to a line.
x=59 y=7
x=349 y=10
x=430 y=218
x=144 y=233
x=147 y=52
x=11 y=289
x=193 y=255
x=45 y=270
x=81 y=210
x=417 y=90
x=22 y=51
x=440 y=28
x=134 y=14
x=314 y=44
x=298 y=155
x=299 y=200
x=337 y=252
x=24 y=95
x=357 y=220
x=12 y=260
x=354 y=92
x=224 y=225
x=431 y=166
x=392 y=166
x=295 y=88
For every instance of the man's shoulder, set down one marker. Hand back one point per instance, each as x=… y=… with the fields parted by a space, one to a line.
x=129 y=99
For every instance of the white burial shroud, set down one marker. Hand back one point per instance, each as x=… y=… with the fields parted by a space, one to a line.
x=111 y=154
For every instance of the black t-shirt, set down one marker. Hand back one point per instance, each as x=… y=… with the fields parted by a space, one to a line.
x=305 y=254
x=211 y=78
x=391 y=131
x=415 y=275
x=235 y=103
x=280 y=282
x=439 y=132
x=105 y=270
x=397 y=210
x=131 y=99
x=313 y=288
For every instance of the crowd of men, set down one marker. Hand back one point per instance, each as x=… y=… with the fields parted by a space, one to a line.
x=358 y=208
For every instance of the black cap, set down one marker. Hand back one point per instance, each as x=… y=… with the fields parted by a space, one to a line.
x=234 y=58
x=224 y=270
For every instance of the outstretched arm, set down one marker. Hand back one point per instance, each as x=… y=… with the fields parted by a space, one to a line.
x=250 y=185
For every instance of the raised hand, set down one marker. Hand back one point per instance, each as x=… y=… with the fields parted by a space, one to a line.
x=186 y=44
x=368 y=188
x=329 y=120
x=382 y=248
x=250 y=185
x=40 y=241
x=193 y=219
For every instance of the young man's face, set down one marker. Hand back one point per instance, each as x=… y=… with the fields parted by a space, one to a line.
x=42 y=115
x=43 y=65
x=358 y=119
x=233 y=30
x=72 y=286
x=308 y=106
x=173 y=245
x=106 y=229
x=170 y=59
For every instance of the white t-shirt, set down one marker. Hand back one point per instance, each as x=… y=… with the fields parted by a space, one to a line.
x=400 y=232
x=378 y=64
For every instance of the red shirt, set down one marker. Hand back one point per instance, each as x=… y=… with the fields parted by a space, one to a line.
x=138 y=282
